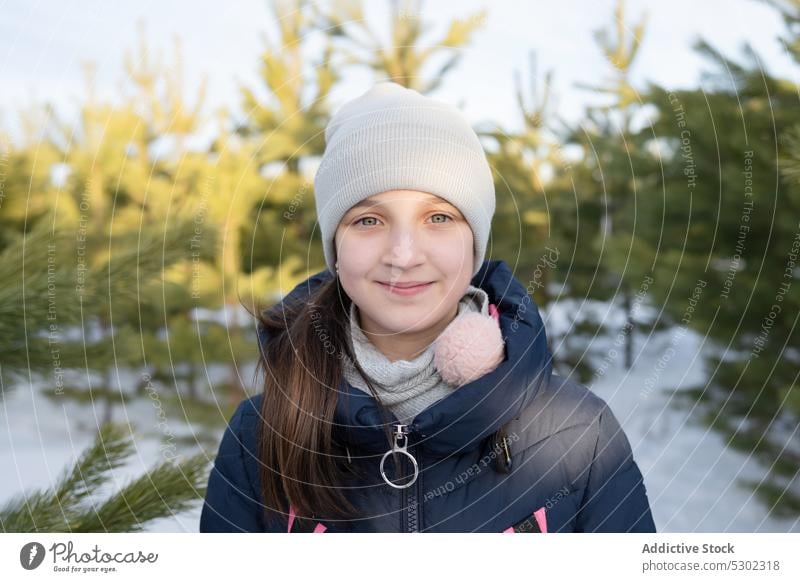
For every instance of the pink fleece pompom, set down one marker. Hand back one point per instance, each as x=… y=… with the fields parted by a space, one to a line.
x=471 y=346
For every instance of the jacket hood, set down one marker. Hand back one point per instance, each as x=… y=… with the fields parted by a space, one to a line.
x=463 y=419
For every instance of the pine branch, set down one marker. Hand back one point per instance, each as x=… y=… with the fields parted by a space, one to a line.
x=51 y=510
x=791 y=160
x=165 y=490
x=107 y=453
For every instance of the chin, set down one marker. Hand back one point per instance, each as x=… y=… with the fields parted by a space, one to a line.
x=406 y=322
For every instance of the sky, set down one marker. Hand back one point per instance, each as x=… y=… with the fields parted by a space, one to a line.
x=43 y=44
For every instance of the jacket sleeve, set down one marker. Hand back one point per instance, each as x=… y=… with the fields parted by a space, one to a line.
x=615 y=499
x=231 y=503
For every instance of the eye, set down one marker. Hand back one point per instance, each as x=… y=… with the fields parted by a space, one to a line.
x=365 y=218
x=442 y=214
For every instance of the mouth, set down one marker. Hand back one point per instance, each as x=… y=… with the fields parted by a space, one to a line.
x=406 y=289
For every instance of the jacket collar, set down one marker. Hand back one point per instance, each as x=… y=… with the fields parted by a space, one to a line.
x=463 y=419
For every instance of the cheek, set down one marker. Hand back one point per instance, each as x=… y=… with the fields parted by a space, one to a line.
x=356 y=261
x=455 y=253
x=355 y=258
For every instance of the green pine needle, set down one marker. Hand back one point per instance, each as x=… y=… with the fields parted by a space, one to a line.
x=166 y=490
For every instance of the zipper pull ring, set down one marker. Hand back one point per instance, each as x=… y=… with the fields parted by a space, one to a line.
x=400 y=446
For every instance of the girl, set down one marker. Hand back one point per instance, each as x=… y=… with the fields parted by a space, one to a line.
x=409 y=386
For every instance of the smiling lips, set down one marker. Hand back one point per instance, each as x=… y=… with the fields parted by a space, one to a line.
x=406 y=288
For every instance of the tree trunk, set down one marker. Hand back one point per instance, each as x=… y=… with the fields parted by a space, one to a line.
x=630 y=328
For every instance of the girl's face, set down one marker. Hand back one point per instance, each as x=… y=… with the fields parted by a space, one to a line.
x=399 y=237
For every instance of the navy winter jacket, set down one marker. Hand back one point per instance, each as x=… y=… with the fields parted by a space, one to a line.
x=519 y=449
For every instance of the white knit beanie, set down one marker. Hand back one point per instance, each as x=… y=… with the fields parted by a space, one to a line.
x=393 y=138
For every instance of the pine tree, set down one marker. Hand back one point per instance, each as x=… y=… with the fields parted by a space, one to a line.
x=614 y=167
x=409 y=53
x=535 y=206
x=723 y=244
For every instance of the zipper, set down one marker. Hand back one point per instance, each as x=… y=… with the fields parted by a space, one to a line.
x=414 y=506
x=411 y=493
x=403 y=512
x=409 y=498
x=402 y=441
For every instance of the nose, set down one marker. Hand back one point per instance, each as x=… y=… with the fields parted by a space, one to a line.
x=404 y=252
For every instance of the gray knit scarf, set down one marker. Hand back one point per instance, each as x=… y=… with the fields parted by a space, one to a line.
x=406 y=387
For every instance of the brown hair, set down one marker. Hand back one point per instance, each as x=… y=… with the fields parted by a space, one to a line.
x=300 y=463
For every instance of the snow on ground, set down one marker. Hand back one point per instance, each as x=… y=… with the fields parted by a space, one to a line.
x=42 y=438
